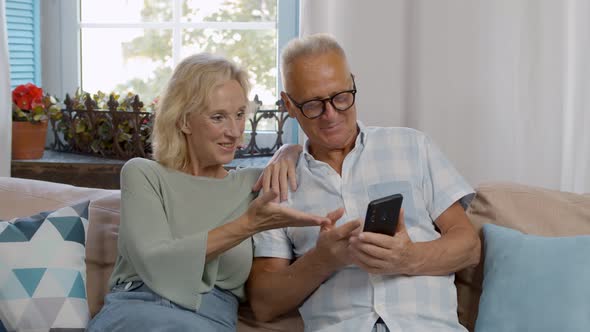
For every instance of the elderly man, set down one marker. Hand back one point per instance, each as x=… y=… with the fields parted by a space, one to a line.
x=343 y=279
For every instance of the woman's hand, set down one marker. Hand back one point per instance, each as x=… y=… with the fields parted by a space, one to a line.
x=279 y=173
x=264 y=214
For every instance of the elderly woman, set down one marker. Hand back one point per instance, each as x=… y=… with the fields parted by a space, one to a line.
x=184 y=241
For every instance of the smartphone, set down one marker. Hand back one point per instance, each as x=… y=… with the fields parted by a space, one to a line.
x=383 y=214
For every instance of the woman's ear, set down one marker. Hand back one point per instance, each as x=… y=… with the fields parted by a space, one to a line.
x=184 y=125
x=185 y=129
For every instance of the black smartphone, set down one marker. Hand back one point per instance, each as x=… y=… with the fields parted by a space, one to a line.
x=383 y=214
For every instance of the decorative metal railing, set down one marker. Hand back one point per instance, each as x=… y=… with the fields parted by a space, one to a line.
x=123 y=130
x=252 y=147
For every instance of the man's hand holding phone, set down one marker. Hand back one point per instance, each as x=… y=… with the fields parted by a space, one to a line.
x=379 y=253
x=333 y=241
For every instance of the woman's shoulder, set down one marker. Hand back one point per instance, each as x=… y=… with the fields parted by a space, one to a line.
x=140 y=164
x=141 y=170
x=248 y=171
x=249 y=174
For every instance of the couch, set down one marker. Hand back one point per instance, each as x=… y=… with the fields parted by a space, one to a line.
x=526 y=209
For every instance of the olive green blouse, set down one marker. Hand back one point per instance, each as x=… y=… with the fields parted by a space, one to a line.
x=165 y=218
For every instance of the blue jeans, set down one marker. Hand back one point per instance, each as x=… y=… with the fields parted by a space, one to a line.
x=135 y=307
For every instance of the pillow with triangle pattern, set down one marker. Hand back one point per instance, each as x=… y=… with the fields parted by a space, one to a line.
x=42 y=271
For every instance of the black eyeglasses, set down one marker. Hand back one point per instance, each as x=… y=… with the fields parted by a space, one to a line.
x=314 y=108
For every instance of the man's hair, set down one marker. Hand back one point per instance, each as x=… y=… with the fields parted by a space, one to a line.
x=189 y=90
x=316 y=44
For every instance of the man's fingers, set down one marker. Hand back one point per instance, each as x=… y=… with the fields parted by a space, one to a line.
x=401 y=223
x=366 y=261
x=376 y=239
x=345 y=230
x=357 y=231
x=333 y=217
x=336 y=214
x=369 y=249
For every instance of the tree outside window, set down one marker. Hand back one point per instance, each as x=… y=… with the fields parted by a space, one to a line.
x=134 y=49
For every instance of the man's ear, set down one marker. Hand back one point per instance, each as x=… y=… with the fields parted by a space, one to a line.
x=288 y=104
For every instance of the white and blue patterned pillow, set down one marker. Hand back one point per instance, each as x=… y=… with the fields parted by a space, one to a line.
x=42 y=271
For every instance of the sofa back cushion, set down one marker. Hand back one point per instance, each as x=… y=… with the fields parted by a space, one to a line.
x=527 y=209
x=22 y=197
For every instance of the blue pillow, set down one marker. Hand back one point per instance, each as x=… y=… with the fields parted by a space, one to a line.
x=534 y=283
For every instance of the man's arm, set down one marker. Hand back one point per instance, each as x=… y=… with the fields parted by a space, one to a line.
x=275 y=286
x=458 y=247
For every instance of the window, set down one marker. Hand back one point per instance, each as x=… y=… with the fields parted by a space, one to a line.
x=133 y=45
x=142 y=41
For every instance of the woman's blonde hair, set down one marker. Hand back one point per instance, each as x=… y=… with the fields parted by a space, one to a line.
x=187 y=91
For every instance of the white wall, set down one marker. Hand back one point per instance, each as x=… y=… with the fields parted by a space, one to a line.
x=501 y=86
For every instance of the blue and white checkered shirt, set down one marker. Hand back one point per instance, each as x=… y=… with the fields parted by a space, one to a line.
x=384 y=161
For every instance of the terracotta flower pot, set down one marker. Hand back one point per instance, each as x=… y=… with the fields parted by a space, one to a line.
x=28 y=140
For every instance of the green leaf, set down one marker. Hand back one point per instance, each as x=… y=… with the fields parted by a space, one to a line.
x=80 y=127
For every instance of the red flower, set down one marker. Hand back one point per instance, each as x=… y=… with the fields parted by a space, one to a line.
x=28 y=96
x=37 y=103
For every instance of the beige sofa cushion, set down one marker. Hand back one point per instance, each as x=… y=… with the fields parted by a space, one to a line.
x=527 y=209
x=22 y=197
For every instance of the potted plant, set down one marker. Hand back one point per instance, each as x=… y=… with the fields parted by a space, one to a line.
x=30 y=111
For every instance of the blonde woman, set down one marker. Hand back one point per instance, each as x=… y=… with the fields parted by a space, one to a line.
x=185 y=250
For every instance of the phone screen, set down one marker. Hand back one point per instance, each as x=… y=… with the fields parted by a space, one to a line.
x=383 y=214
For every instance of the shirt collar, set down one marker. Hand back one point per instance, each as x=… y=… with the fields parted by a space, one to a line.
x=360 y=141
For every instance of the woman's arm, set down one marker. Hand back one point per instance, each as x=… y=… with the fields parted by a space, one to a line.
x=262 y=214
